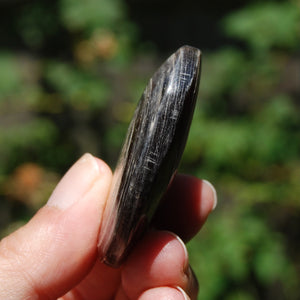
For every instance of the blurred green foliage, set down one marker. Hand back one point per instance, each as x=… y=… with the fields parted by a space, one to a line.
x=245 y=138
x=264 y=26
x=71 y=86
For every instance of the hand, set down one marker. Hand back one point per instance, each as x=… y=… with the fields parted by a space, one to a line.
x=55 y=254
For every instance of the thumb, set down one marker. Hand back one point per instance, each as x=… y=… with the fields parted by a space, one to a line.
x=58 y=247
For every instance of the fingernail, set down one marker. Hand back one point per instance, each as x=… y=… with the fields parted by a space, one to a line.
x=213 y=191
x=186 y=254
x=183 y=293
x=76 y=182
x=192 y=286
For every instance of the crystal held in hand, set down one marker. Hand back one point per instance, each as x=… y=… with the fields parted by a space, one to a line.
x=151 y=153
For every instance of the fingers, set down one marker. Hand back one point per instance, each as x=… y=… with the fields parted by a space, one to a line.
x=57 y=248
x=159 y=260
x=185 y=206
x=101 y=283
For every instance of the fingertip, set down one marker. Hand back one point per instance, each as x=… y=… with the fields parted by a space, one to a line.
x=103 y=166
x=209 y=192
x=181 y=242
x=165 y=292
x=183 y=293
x=185 y=206
x=160 y=259
x=78 y=180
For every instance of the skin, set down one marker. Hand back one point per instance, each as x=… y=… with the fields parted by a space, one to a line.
x=54 y=256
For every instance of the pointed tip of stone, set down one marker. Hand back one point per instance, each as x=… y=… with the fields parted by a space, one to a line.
x=190 y=49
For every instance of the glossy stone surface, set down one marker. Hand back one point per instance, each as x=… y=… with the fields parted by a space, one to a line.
x=151 y=153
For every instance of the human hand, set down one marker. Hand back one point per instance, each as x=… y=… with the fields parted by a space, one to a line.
x=55 y=254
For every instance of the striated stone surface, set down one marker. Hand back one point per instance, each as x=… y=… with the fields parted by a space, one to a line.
x=151 y=153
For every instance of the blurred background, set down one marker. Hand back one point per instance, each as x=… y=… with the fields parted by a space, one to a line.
x=72 y=71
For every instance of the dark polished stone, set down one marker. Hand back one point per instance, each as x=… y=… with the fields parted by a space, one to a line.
x=151 y=153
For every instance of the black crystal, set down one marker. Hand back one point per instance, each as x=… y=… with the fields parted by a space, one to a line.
x=151 y=153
